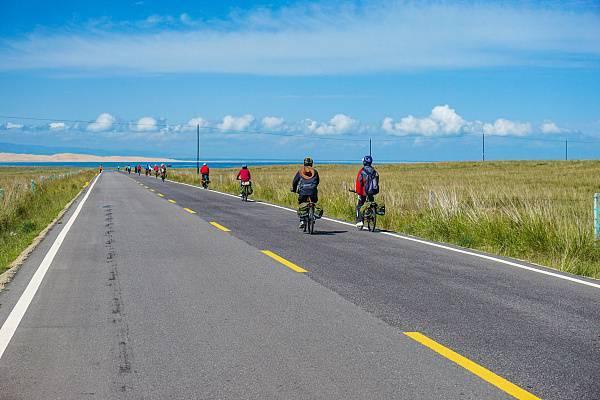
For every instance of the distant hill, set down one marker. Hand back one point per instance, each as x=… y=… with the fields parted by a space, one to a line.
x=74 y=157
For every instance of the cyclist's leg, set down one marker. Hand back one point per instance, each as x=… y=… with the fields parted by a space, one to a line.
x=361 y=202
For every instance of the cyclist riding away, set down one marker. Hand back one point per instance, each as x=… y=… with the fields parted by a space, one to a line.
x=366 y=187
x=163 y=172
x=243 y=176
x=205 y=172
x=305 y=183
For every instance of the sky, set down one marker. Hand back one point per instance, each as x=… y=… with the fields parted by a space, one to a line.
x=425 y=81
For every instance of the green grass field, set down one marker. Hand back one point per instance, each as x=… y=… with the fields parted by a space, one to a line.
x=25 y=213
x=537 y=211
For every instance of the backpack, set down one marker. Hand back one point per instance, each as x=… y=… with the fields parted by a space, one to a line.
x=371 y=181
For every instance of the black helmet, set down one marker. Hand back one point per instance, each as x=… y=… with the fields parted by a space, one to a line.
x=308 y=162
x=367 y=160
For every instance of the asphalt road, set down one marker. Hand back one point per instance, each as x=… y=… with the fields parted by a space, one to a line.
x=145 y=300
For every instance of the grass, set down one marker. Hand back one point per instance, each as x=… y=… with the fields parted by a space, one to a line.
x=537 y=211
x=25 y=213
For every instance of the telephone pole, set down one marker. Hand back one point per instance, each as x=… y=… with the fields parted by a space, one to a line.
x=198 y=149
x=370 y=147
x=566 y=149
x=483 y=147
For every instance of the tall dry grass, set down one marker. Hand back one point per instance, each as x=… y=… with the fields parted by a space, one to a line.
x=537 y=211
x=23 y=212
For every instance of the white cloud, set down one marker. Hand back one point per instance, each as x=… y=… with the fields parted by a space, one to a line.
x=10 y=125
x=443 y=120
x=146 y=124
x=104 y=122
x=505 y=127
x=232 y=123
x=272 y=122
x=340 y=123
x=57 y=126
x=550 y=127
x=194 y=122
x=320 y=39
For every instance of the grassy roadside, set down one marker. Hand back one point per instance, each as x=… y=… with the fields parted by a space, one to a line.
x=537 y=211
x=25 y=213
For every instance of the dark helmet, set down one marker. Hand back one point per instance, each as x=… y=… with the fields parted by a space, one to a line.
x=308 y=162
x=367 y=160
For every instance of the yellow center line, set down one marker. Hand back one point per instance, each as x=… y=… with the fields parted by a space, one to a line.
x=146 y=187
x=473 y=367
x=219 y=226
x=161 y=195
x=282 y=260
x=172 y=201
x=152 y=190
x=190 y=210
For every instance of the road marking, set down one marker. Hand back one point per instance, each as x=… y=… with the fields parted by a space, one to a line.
x=172 y=201
x=473 y=367
x=152 y=190
x=428 y=243
x=219 y=226
x=14 y=318
x=161 y=195
x=282 y=260
x=146 y=187
x=190 y=211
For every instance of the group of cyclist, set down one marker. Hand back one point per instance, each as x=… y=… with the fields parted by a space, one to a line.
x=306 y=183
x=158 y=171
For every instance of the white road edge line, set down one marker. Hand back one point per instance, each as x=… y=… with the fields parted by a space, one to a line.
x=14 y=318
x=425 y=242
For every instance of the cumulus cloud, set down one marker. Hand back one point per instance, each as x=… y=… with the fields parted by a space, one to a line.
x=146 y=124
x=272 y=122
x=505 y=127
x=10 y=125
x=232 y=123
x=322 y=39
x=104 y=122
x=443 y=120
x=57 y=126
x=197 y=121
x=550 y=127
x=340 y=123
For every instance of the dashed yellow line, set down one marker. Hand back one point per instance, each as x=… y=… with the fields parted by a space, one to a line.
x=473 y=367
x=282 y=260
x=152 y=190
x=190 y=211
x=160 y=195
x=172 y=201
x=219 y=226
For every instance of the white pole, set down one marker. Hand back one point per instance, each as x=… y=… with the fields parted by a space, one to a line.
x=596 y=216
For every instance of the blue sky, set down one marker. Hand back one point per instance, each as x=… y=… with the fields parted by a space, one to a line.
x=423 y=79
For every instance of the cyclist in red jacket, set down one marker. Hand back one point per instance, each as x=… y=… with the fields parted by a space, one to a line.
x=205 y=172
x=243 y=176
x=366 y=173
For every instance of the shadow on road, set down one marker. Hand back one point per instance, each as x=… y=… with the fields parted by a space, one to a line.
x=325 y=233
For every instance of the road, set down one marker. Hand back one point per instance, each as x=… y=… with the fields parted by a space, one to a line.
x=146 y=299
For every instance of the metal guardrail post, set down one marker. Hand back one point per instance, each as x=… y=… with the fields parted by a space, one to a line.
x=596 y=216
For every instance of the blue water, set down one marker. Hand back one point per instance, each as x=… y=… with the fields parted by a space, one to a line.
x=179 y=164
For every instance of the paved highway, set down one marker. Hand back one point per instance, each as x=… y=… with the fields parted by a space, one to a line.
x=162 y=290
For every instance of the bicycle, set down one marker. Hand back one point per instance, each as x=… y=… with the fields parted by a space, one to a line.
x=309 y=219
x=245 y=190
x=369 y=216
x=204 y=183
x=163 y=175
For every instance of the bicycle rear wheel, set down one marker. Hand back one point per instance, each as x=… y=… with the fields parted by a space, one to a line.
x=372 y=222
x=311 y=221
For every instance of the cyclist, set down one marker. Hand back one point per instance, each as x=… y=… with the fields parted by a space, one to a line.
x=305 y=183
x=156 y=170
x=364 y=187
x=100 y=168
x=205 y=172
x=243 y=176
x=163 y=171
